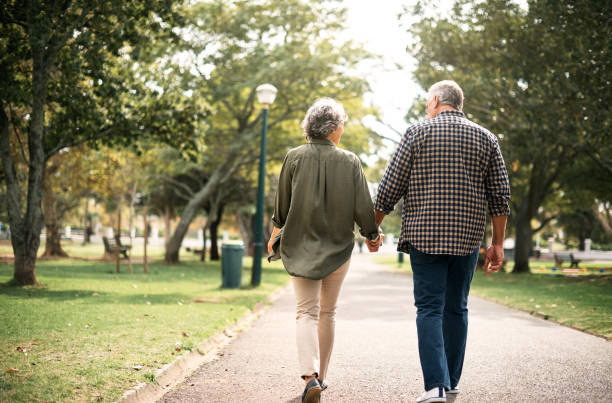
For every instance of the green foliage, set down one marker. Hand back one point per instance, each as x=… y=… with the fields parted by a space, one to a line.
x=90 y=93
x=232 y=47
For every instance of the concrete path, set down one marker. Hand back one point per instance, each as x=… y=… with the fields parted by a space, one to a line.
x=511 y=356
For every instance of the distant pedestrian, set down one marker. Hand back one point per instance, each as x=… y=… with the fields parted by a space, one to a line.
x=447 y=169
x=360 y=241
x=322 y=193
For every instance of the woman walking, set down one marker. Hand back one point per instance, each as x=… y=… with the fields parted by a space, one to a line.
x=322 y=193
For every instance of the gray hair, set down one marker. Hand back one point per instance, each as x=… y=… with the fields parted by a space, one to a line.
x=448 y=92
x=323 y=118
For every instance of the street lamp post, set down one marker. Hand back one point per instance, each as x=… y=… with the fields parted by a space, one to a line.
x=265 y=94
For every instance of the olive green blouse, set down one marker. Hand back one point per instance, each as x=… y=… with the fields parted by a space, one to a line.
x=322 y=193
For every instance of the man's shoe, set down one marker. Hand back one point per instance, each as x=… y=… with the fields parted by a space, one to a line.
x=453 y=391
x=323 y=385
x=436 y=394
x=312 y=392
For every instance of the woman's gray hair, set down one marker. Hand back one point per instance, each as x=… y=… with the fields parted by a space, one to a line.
x=323 y=118
x=448 y=92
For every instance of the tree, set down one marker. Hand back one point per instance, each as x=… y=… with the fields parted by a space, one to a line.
x=234 y=47
x=53 y=62
x=537 y=77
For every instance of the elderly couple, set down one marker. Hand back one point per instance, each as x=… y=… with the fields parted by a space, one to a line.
x=448 y=169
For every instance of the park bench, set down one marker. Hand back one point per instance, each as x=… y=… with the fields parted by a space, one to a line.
x=112 y=247
x=194 y=250
x=563 y=257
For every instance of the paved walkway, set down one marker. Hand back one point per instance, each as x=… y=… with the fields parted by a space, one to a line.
x=511 y=356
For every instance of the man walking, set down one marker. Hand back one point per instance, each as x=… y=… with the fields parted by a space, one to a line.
x=447 y=169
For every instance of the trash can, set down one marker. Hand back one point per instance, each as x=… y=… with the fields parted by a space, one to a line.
x=231 y=264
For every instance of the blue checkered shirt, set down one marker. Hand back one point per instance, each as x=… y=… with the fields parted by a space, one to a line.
x=447 y=169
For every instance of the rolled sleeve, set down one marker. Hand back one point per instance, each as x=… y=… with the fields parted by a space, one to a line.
x=282 y=201
x=497 y=184
x=395 y=181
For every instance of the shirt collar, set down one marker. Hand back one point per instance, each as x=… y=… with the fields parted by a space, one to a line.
x=451 y=113
x=326 y=142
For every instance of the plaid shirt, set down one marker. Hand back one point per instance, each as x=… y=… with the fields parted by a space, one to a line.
x=447 y=169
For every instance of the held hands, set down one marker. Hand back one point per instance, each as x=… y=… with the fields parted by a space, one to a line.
x=494 y=259
x=376 y=243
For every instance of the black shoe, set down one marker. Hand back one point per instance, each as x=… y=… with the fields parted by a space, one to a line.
x=312 y=392
x=323 y=385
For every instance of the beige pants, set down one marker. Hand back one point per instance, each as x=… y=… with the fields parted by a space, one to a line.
x=316 y=320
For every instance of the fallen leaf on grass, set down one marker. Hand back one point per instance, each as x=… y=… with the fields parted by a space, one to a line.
x=213 y=300
x=12 y=370
x=21 y=348
x=185 y=334
x=177 y=349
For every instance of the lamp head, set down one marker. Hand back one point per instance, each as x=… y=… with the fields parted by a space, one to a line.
x=266 y=93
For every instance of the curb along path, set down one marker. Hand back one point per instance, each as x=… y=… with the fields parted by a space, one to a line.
x=175 y=372
x=511 y=356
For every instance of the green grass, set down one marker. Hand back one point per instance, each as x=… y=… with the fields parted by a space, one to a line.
x=80 y=335
x=583 y=301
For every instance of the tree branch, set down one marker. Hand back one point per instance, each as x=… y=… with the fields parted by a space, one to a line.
x=543 y=223
x=177 y=185
x=13 y=192
x=21 y=148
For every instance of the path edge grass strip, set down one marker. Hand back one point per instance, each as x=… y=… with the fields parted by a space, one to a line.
x=178 y=370
x=541 y=316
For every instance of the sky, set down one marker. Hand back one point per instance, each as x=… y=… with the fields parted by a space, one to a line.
x=375 y=24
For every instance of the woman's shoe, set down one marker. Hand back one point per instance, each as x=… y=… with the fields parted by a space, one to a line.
x=323 y=385
x=312 y=392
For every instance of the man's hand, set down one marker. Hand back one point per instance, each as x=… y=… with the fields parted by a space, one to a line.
x=494 y=259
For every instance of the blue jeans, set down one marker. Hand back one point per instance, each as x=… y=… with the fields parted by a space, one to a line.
x=441 y=288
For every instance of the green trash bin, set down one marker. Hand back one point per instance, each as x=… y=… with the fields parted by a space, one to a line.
x=231 y=264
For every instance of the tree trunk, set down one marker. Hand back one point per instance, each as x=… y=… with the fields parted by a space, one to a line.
x=214 y=234
x=522 y=247
x=118 y=229
x=245 y=226
x=190 y=211
x=604 y=220
x=167 y=228
x=53 y=247
x=87 y=230
x=203 y=254
x=25 y=229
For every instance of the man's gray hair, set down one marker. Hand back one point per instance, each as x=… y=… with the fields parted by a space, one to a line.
x=323 y=118
x=448 y=92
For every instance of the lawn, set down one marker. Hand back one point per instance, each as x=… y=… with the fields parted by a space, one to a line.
x=582 y=300
x=81 y=334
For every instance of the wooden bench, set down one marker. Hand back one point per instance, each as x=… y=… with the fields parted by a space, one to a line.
x=111 y=247
x=563 y=257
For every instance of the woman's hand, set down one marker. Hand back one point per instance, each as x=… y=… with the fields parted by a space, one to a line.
x=376 y=243
x=275 y=232
x=270 y=244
